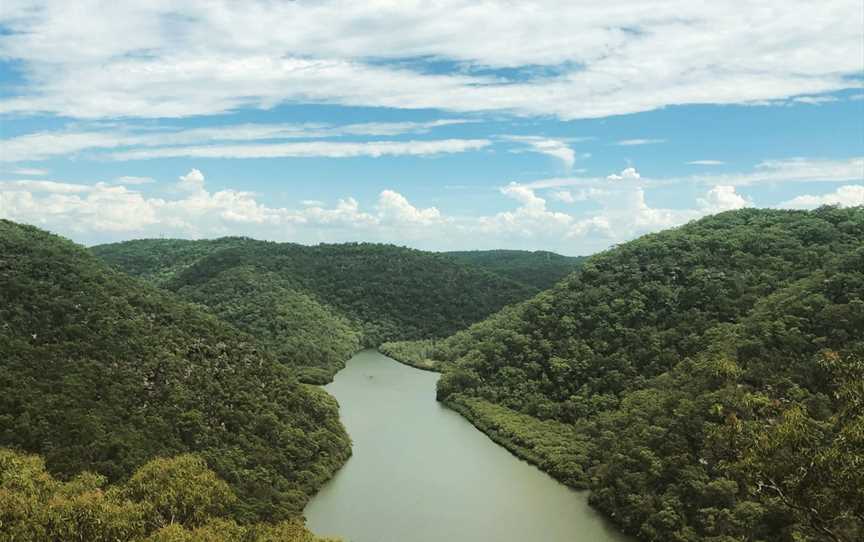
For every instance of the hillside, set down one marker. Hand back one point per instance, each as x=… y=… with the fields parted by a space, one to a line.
x=157 y=261
x=315 y=305
x=176 y=499
x=539 y=269
x=704 y=382
x=101 y=372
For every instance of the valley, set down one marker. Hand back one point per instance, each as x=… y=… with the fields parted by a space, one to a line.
x=673 y=388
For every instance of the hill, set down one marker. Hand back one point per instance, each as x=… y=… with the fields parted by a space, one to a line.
x=704 y=381
x=539 y=269
x=166 y=500
x=102 y=372
x=316 y=305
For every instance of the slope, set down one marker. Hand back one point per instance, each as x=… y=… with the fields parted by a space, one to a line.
x=101 y=372
x=314 y=305
x=689 y=378
x=539 y=269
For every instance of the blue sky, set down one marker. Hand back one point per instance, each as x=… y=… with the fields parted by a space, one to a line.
x=566 y=126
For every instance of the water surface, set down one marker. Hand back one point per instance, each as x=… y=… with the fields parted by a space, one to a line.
x=422 y=473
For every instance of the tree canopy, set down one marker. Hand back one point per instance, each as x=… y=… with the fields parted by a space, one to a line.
x=316 y=305
x=101 y=372
x=174 y=499
x=704 y=382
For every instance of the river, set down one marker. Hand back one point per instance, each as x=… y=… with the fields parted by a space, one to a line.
x=421 y=473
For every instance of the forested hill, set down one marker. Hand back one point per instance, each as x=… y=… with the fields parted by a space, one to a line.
x=539 y=269
x=315 y=305
x=704 y=382
x=101 y=372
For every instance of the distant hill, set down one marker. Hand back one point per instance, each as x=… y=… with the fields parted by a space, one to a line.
x=102 y=372
x=539 y=269
x=315 y=305
x=704 y=382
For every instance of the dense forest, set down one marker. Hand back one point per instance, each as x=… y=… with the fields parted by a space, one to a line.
x=101 y=372
x=316 y=305
x=705 y=382
x=176 y=499
x=539 y=269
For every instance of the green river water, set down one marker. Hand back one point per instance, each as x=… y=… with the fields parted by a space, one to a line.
x=422 y=473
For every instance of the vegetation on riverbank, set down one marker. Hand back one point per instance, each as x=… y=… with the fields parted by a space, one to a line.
x=102 y=373
x=315 y=306
x=165 y=500
x=712 y=371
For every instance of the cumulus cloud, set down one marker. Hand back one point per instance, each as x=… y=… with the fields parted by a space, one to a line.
x=596 y=61
x=192 y=181
x=530 y=220
x=563 y=195
x=723 y=198
x=582 y=194
x=845 y=196
x=627 y=174
x=394 y=208
x=618 y=212
x=98 y=210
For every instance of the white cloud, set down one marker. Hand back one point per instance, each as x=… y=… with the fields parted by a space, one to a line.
x=45 y=186
x=393 y=208
x=624 y=214
x=133 y=180
x=43 y=145
x=794 y=169
x=845 y=196
x=814 y=100
x=563 y=195
x=308 y=149
x=635 y=142
x=706 y=163
x=618 y=212
x=192 y=181
x=135 y=59
x=556 y=148
x=583 y=194
x=26 y=171
x=530 y=220
x=627 y=174
x=99 y=210
x=723 y=198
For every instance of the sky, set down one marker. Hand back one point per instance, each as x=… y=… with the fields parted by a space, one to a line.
x=443 y=125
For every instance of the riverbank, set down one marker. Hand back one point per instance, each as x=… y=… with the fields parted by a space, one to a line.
x=555 y=448
x=422 y=472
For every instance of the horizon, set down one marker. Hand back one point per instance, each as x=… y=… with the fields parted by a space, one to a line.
x=334 y=122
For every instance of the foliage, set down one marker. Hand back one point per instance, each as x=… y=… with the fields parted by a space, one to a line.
x=386 y=292
x=157 y=261
x=304 y=334
x=166 y=500
x=539 y=269
x=692 y=363
x=100 y=372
